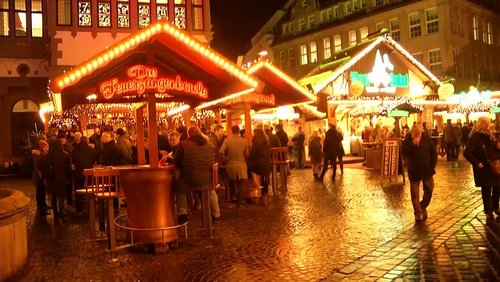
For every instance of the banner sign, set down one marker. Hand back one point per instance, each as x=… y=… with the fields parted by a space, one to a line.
x=143 y=78
x=390 y=158
x=253 y=98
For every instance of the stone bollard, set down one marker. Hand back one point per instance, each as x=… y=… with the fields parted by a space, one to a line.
x=13 y=232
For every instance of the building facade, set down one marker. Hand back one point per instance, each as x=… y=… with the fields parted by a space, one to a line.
x=41 y=39
x=455 y=39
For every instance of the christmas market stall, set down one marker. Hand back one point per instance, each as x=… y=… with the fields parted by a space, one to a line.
x=158 y=64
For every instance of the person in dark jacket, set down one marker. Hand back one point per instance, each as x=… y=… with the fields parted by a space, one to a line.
x=39 y=154
x=260 y=160
x=193 y=161
x=315 y=153
x=58 y=174
x=476 y=153
x=282 y=136
x=274 y=141
x=82 y=158
x=421 y=157
x=330 y=151
x=298 y=140
x=111 y=154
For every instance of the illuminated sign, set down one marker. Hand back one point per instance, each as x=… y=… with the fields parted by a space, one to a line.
x=144 y=78
x=254 y=98
x=398 y=113
x=381 y=79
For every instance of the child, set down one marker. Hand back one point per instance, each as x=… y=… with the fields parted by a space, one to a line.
x=315 y=153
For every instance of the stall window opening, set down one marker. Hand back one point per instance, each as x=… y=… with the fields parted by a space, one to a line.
x=162 y=9
x=432 y=20
x=303 y=54
x=123 y=13
x=4 y=18
x=20 y=13
x=84 y=13
x=415 y=27
x=104 y=8
x=197 y=6
x=180 y=13
x=144 y=13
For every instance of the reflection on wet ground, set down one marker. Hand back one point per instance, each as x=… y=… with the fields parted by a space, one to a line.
x=348 y=229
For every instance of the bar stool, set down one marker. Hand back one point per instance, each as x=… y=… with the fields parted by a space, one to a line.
x=108 y=188
x=89 y=192
x=205 y=199
x=279 y=162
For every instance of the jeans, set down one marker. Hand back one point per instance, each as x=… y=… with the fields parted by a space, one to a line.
x=327 y=159
x=418 y=206
x=299 y=157
x=450 y=151
x=491 y=196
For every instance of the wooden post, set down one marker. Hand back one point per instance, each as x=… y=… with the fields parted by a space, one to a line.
x=248 y=124
x=152 y=132
x=139 y=117
x=397 y=132
x=83 y=125
x=229 y=123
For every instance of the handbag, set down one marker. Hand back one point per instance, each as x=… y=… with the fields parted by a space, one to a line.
x=494 y=164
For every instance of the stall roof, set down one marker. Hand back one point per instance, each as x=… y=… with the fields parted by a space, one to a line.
x=172 y=52
x=328 y=71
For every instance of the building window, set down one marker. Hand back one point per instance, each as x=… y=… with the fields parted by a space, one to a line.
x=314 y=52
x=197 y=6
x=283 y=59
x=352 y=38
x=490 y=33
x=322 y=16
x=329 y=14
x=303 y=54
x=20 y=13
x=327 y=48
x=355 y=5
x=123 y=14
x=63 y=12
x=394 y=25
x=104 y=8
x=419 y=57
x=452 y=20
x=4 y=18
x=336 y=13
x=348 y=7
x=311 y=21
x=378 y=3
x=84 y=13
x=475 y=28
x=431 y=19
x=302 y=24
x=364 y=4
x=180 y=13
x=291 y=27
x=458 y=22
x=485 y=32
x=435 y=60
x=144 y=13
x=380 y=26
x=337 y=43
x=363 y=33
x=291 y=58
x=415 y=28
x=36 y=18
x=162 y=9
x=284 y=28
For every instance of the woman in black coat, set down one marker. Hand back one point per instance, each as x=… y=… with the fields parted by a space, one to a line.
x=82 y=158
x=260 y=159
x=480 y=143
x=58 y=173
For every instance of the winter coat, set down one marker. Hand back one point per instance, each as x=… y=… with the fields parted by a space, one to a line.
x=449 y=133
x=58 y=170
x=298 y=140
x=422 y=159
x=234 y=149
x=111 y=155
x=475 y=153
x=125 y=146
x=465 y=134
x=194 y=158
x=274 y=141
x=259 y=160
x=332 y=140
x=283 y=137
x=82 y=158
x=315 y=150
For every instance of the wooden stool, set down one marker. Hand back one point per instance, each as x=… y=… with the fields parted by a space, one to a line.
x=205 y=200
x=279 y=161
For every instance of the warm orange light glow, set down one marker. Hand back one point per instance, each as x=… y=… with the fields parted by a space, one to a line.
x=60 y=83
x=221 y=100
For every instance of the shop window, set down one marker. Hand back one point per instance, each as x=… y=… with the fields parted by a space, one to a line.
x=123 y=13
x=337 y=43
x=431 y=19
x=63 y=12
x=311 y=21
x=435 y=60
x=282 y=59
x=197 y=14
x=162 y=9
x=104 y=8
x=490 y=33
x=378 y=3
x=415 y=26
x=302 y=24
x=475 y=28
x=303 y=54
x=20 y=13
x=352 y=38
x=314 y=52
x=144 y=13
x=394 y=26
x=485 y=32
x=327 y=49
x=180 y=13
x=363 y=33
x=36 y=18
x=4 y=18
x=418 y=56
x=84 y=13
x=291 y=58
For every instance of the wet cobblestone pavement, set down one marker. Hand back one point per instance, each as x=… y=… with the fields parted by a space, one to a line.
x=348 y=230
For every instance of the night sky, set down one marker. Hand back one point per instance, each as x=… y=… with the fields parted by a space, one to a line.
x=235 y=22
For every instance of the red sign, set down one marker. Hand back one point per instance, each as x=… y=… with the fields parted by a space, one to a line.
x=254 y=98
x=144 y=78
